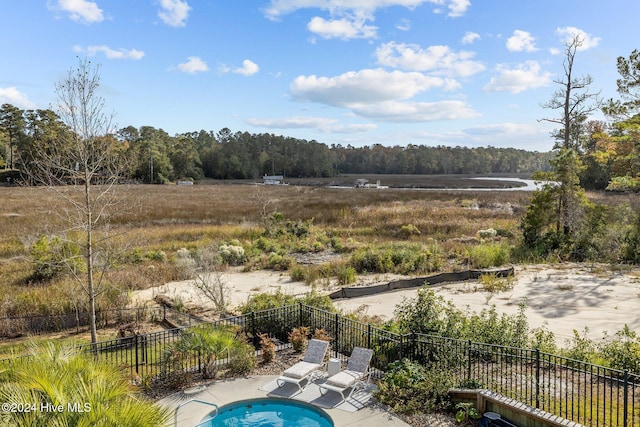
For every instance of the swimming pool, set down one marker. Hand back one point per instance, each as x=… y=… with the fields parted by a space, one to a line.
x=268 y=412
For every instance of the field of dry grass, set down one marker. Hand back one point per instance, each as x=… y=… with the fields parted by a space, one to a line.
x=162 y=219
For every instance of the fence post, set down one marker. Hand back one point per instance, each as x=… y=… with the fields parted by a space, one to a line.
x=401 y=349
x=414 y=351
x=135 y=340
x=626 y=397
x=300 y=314
x=253 y=328
x=337 y=335
x=469 y=361
x=537 y=378
x=368 y=335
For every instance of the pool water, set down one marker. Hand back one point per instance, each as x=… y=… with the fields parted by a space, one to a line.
x=268 y=412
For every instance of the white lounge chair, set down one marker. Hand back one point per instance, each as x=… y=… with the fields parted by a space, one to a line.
x=308 y=368
x=352 y=376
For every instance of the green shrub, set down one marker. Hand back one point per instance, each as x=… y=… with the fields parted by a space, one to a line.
x=266 y=301
x=489 y=255
x=232 y=254
x=410 y=388
x=580 y=347
x=54 y=376
x=276 y=261
x=298 y=273
x=346 y=275
x=623 y=352
x=491 y=328
x=624 y=184
x=406 y=231
x=493 y=283
x=543 y=339
x=209 y=344
x=429 y=313
x=243 y=359
x=401 y=258
x=52 y=256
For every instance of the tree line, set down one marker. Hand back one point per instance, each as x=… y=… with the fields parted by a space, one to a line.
x=154 y=156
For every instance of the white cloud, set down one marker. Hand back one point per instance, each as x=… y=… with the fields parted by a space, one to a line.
x=11 y=95
x=278 y=8
x=111 y=53
x=458 y=7
x=410 y=112
x=515 y=80
x=193 y=65
x=404 y=25
x=364 y=86
x=568 y=33
x=341 y=28
x=174 y=12
x=521 y=41
x=380 y=95
x=437 y=59
x=305 y=122
x=470 y=37
x=83 y=11
x=249 y=68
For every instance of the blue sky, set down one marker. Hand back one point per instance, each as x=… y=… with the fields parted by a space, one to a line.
x=360 y=72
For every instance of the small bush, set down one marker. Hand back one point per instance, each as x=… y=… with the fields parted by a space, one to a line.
x=623 y=352
x=243 y=359
x=401 y=258
x=489 y=255
x=543 y=339
x=493 y=283
x=52 y=256
x=268 y=348
x=409 y=388
x=406 y=231
x=298 y=338
x=322 y=335
x=266 y=301
x=346 y=275
x=232 y=254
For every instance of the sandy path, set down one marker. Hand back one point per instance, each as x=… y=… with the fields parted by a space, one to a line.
x=563 y=297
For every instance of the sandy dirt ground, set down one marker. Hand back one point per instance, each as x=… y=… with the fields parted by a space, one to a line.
x=564 y=297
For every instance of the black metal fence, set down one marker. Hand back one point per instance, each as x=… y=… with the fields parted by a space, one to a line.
x=578 y=391
x=37 y=325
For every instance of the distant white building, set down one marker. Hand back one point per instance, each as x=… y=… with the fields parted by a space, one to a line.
x=273 y=179
x=364 y=183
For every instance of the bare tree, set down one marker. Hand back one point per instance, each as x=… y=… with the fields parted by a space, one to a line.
x=207 y=271
x=573 y=99
x=564 y=204
x=82 y=168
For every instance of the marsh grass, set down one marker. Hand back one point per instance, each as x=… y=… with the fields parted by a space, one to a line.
x=164 y=219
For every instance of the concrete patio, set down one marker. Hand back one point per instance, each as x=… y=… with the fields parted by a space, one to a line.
x=360 y=410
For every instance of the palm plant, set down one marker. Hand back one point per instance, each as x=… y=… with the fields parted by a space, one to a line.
x=57 y=387
x=208 y=343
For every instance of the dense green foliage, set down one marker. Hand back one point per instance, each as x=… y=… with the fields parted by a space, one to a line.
x=266 y=301
x=154 y=156
x=210 y=344
x=408 y=387
x=52 y=377
x=433 y=315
